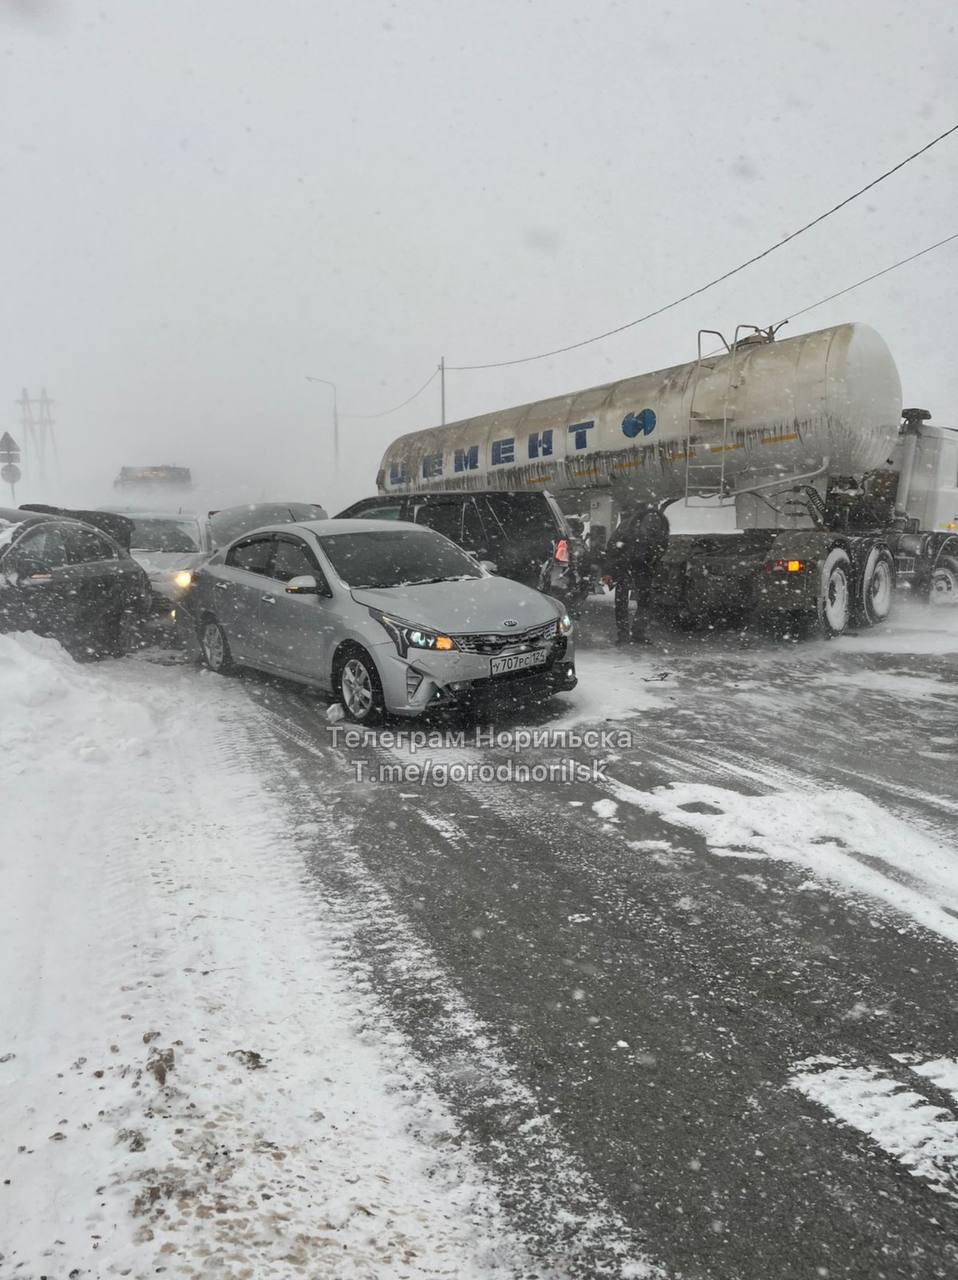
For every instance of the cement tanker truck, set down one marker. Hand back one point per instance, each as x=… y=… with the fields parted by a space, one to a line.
x=794 y=483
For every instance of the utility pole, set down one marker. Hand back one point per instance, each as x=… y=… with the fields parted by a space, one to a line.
x=37 y=423
x=442 y=386
x=326 y=383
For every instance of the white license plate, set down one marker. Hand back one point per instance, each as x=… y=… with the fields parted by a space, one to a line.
x=517 y=662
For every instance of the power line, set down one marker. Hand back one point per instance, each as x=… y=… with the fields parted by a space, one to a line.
x=631 y=324
x=840 y=293
x=868 y=279
x=396 y=407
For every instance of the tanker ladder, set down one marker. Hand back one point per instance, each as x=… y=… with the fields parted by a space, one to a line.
x=717 y=485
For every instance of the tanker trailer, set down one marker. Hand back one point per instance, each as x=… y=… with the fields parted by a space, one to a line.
x=784 y=454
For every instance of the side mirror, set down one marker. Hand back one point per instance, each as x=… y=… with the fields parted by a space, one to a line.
x=489 y=565
x=304 y=584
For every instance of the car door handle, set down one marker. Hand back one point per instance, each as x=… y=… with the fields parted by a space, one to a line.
x=268 y=599
x=222 y=586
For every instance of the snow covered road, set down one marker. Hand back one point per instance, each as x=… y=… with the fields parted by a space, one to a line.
x=692 y=1015
x=191 y=1077
x=764 y=875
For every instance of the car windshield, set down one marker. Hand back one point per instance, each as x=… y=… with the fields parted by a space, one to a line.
x=396 y=558
x=235 y=521
x=164 y=535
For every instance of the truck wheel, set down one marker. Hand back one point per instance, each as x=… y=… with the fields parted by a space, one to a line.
x=833 y=607
x=877 y=587
x=944 y=582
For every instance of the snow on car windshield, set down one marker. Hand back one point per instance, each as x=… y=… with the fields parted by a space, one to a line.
x=165 y=535
x=396 y=558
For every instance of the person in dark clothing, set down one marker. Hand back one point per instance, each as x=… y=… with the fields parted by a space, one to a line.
x=635 y=550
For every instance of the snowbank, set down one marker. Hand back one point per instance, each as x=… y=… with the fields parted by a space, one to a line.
x=55 y=710
x=188 y=1080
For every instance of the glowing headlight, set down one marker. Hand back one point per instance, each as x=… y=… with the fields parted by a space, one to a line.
x=406 y=637
x=183 y=578
x=564 y=625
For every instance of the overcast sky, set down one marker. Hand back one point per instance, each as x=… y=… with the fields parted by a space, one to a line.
x=205 y=201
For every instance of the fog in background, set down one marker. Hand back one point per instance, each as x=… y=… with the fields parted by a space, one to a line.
x=205 y=202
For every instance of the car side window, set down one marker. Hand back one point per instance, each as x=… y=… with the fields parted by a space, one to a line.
x=292 y=559
x=383 y=511
x=44 y=546
x=443 y=517
x=85 y=546
x=252 y=556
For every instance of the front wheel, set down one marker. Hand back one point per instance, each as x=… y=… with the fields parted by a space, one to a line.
x=833 y=606
x=216 y=648
x=944 y=582
x=359 y=687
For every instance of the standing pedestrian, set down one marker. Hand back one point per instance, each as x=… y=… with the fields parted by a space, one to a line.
x=636 y=548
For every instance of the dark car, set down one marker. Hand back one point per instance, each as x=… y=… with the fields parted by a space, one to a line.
x=525 y=536
x=233 y=522
x=63 y=577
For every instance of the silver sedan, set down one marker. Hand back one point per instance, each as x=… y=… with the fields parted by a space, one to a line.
x=390 y=617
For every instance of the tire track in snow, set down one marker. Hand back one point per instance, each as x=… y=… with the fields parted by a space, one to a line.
x=917 y=1133
x=824 y=832
x=786 y=955
x=565 y=1220
x=523 y=809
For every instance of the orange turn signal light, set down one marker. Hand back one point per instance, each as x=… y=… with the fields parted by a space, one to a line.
x=443 y=642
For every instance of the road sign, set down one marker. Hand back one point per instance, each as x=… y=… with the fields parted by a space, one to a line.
x=9 y=450
x=10 y=472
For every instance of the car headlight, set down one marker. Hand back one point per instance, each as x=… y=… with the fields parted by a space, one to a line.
x=564 y=625
x=405 y=636
x=182 y=579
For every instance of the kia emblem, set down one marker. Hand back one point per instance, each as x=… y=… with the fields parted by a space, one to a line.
x=510 y=622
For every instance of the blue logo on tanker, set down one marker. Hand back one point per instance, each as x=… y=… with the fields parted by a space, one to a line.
x=643 y=423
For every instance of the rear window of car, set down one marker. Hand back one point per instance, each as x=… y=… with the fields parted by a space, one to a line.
x=387 y=558
x=165 y=535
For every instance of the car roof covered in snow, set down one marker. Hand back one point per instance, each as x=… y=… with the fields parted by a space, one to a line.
x=117 y=527
x=14 y=515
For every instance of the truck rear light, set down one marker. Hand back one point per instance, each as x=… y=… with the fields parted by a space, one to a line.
x=562 y=551
x=784 y=566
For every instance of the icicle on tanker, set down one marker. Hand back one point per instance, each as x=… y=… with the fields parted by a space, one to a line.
x=835 y=500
